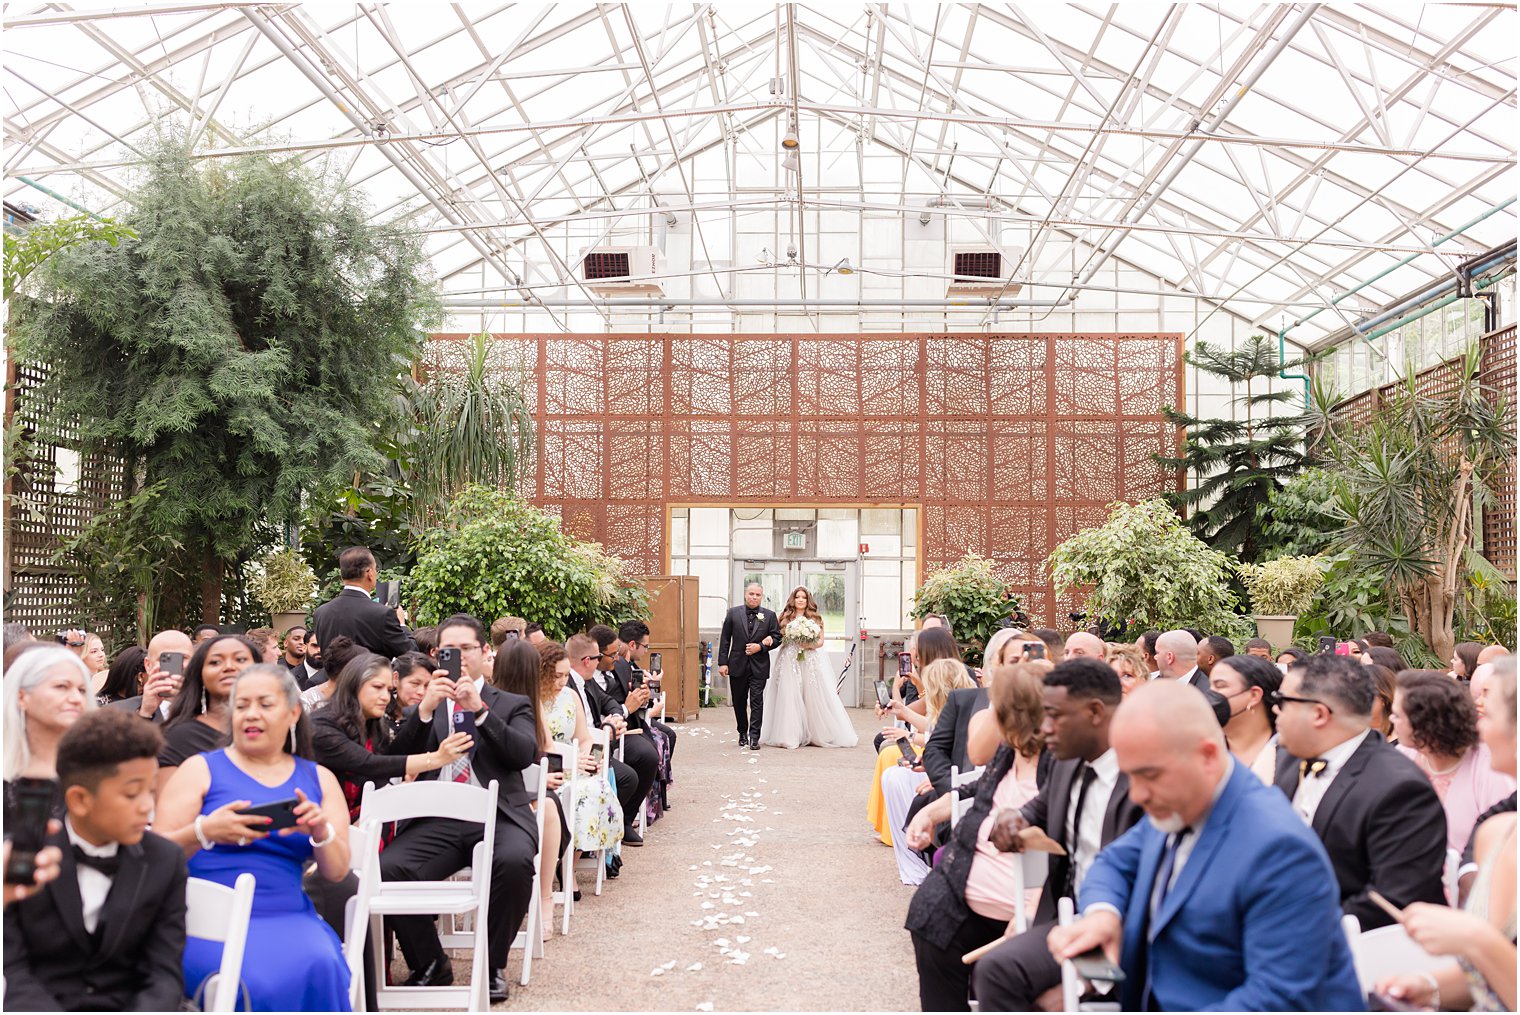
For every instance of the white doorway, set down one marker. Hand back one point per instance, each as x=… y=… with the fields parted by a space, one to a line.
x=833 y=584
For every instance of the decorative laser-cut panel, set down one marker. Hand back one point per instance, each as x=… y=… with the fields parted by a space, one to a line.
x=1007 y=443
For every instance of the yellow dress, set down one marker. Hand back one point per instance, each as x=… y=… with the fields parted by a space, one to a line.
x=876 y=804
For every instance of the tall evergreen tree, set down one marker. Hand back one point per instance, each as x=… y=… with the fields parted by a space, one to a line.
x=1237 y=462
x=242 y=350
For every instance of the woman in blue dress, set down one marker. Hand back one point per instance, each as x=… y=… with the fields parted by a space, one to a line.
x=294 y=961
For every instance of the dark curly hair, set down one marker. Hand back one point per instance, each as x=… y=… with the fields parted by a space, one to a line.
x=1441 y=714
x=93 y=748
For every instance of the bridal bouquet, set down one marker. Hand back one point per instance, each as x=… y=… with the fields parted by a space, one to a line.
x=801 y=631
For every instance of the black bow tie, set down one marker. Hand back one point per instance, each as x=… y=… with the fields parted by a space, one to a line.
x=107 y=865
x=1311 y=766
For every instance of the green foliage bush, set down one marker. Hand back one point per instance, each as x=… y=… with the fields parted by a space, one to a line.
x=972 y=596
x=1301 y=517
x=1283 y=586
x=1146 y=570
x=284 y=584
x=494 y=555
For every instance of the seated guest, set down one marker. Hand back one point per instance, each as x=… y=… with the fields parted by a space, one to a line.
x=294 y=961
x=1083 y=645
x=47 y=690
x=413 y=672
x=633 y=636
x=1378 y=639
x=94 y=657
x=108 y=933
x=267 y=639
x=353 y=741
x=1084 y=805
x=310 y=672
x=1381 y=656
x=637 y=774
x=965 y=709
x=354 y=614
x=158 y=686
x=1384 y=685
x=1373 y=808
x=983 y=734
x=901 y=784
x=534 y=632
x=1464 y=659
x=15 y=634
x=1481 y=936
x=503 y=628
x=125 y=677
x=1437 y=726
x=639 y=749
x=1177 y=659
x=294 y=653
x=1128 y=663
x=1146 y=643
x=597 y=819
x=1246 y=683
x=426 y=639
x=1211 y=650
x=1055 y=645
x=198 y=715
x=1259 y=647
x=335 y=656
x=203 y=634
x=432 y=849
x=1291 y=656
x=1219 y=900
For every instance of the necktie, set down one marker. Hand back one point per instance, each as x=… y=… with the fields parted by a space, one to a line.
x=1088 y=775
x=754 y=618
x=1168 y=866
x=1311 y=766
x=1164 y=871
x=107 y=865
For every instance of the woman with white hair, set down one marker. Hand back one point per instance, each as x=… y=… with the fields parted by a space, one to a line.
x=46 y=691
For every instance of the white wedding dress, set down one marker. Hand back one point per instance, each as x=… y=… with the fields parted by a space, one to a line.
x=801 y=705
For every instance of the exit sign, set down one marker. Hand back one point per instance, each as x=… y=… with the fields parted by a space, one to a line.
x=794 y=540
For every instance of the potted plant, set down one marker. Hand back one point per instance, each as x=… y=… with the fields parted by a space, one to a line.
x=285 y=587
x=1280 y=590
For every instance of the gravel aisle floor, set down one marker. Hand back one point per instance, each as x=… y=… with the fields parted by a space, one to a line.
x=776 y=839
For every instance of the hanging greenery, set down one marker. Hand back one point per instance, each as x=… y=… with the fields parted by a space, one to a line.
x=240 y=352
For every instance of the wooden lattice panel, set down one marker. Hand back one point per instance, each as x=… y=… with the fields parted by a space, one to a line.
x=1009 y=443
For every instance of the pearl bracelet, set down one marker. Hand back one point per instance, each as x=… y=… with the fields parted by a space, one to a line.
x=1435 y=991
x=332 y=833
x=200 y=834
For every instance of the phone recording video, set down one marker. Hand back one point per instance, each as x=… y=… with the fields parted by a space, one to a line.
x=904 y=663
x=1326 y=644
x=27 y=827
x=656 y=662
x=172 y=663
x=448 y=659
x=1034 y=650
x=883 y=694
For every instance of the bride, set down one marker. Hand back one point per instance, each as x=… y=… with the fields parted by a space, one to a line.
x=801 y=705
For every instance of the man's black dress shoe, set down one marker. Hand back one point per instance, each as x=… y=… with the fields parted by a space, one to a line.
x=743 y=743
x=754 y=746
x=631 y=837
x=438 y=973
x=499 y=990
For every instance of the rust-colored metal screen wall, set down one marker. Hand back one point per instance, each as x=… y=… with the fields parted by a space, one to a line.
x=1006 y=443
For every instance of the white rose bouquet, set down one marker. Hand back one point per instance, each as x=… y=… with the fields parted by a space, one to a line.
x=800 y=632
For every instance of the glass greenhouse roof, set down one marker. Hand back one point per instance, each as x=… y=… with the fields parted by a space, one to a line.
x=1263 y=158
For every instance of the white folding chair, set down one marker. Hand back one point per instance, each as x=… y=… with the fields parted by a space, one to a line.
x=215 y=912
x=601 y=736
x=1071 y=982
x=569 y=755
x=641 y=819
x=1451 y=875
x=957 y=780
x=1388 y=951
x=434 y=799
x=364 y=861
x=531 y=938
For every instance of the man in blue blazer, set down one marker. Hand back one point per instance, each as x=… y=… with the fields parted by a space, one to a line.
x=1222 y=899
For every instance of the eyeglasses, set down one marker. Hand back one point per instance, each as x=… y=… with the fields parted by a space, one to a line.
x=1277 y=699
x=589 y=659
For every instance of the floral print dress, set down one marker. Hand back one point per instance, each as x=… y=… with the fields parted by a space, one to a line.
x=598 y=817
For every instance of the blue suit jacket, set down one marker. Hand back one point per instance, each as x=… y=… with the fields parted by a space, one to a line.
x=1252 y=922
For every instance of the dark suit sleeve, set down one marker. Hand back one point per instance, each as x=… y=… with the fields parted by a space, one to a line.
x=23 y=991
x=940 y=747
x=1035 y=811
x=392 y=635
x=512 y=738
x=351 y=761
x=772 y=628
x=1405 y=843
x=604 y=702
x=725 y=639
x=164 y=948
x=411 y=737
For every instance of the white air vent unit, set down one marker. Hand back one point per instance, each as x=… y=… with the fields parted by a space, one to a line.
x=623 y=271
x=981 y=271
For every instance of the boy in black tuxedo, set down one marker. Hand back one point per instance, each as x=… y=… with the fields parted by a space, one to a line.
x=109 y=933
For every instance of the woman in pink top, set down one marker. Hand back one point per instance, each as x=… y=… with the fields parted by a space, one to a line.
x=1437 y=725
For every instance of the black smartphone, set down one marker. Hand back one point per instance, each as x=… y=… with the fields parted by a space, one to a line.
x=635 y=679
x=1377 y=1001
x=909 y=752
x=388 y=593
x=1034 y=650
x=654 y=687
x=27 y=829
x=448 y=659
x=283 y=813
x=172 y=663
x=904 y=663
x=555 y=763
x=1094 y=965
x=883 y=694
x=656 y=663
x=464 y=722
x=511 y=636
x=597 y=752
x=1326 y=644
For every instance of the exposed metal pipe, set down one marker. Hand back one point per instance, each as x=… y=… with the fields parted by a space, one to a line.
x=656 y=303
x=59 y=197
x=1433 y=292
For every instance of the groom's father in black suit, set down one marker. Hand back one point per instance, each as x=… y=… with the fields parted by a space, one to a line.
x=354 y=614
x=749 y=633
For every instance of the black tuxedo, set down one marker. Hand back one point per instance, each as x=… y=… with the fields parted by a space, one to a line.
x=431 y=849
x=368 y=623
x=747 y=674
x=131 y=962
x=641 y=759
x=946 y=745
x=1383 y=826
x=1013 y=974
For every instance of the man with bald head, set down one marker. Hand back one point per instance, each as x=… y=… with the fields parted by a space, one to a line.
x=1084 y=646
x=1219 y=899
x=158 y=687
x=1177 y=659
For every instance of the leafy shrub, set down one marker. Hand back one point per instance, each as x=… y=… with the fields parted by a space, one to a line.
x=495 y=555
x=1145 y=569
x=1301 y=518
x=1283 y=586
x=285 y=583
x=972 y=597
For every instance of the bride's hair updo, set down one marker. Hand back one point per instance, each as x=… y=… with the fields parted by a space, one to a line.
x=790 y=613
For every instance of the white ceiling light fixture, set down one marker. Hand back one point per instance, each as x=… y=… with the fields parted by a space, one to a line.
x=789 y=139
x=792 y=163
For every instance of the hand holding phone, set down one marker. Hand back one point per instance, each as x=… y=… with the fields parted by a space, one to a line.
x=1034 y=650
x=28 y=828
x=1094 y=966
x=463 y=721
x=281 y=813
x=883 y=695
x=449 y=661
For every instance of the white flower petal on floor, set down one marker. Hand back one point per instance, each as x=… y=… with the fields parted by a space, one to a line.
x=694 y=967
x=705 y=1006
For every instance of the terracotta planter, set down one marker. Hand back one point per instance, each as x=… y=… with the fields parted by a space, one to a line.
x=1276 y=628
x=283 y=622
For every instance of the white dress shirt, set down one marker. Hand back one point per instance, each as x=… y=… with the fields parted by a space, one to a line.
x=94 y=886
x=1089 y=837
x=1312 y=788
x=365 y=592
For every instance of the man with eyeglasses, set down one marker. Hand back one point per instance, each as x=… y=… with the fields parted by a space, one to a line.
x=432 y=849
x=634 y=778
x=638 y=750
x=1374 y=810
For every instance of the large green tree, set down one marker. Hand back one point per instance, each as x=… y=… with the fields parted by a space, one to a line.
x=242 y=350
x=1237 y=461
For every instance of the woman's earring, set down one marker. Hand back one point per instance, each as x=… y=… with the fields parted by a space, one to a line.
x=205 y=702
x=292 y=738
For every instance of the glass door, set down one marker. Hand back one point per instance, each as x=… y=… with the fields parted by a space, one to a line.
x=833 y=586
